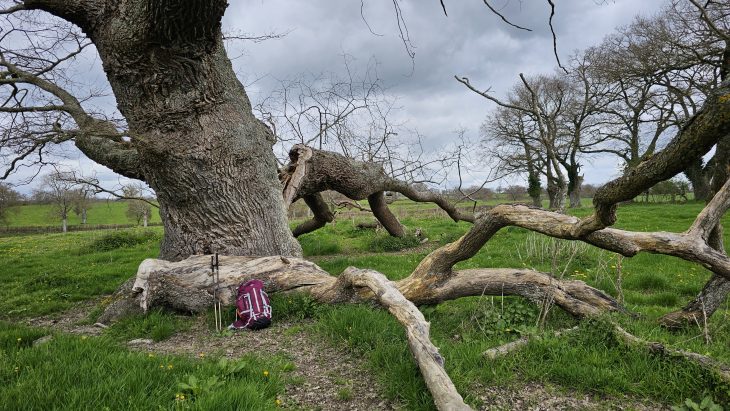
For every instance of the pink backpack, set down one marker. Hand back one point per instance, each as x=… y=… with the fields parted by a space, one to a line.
x=253 y=308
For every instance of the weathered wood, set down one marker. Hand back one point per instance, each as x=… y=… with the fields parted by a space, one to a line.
x=427 y=356
x=296 y=170
x=187 y=286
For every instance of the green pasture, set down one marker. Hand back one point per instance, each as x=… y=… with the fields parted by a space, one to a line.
x=100 y=213
x=47 y=274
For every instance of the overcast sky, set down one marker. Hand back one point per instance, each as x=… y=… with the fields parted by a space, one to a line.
x=470 y=42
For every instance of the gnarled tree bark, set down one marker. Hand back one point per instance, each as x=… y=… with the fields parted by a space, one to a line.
x=194 y=138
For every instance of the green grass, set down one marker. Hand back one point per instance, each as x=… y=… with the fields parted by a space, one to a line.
x=78 y=373
x=156 y=325
x=46 y=274
x=101 y=212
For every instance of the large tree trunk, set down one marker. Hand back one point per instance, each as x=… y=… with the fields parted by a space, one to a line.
x=699 y=177
x=201 y=149
x=556 y=196
x=575 y=183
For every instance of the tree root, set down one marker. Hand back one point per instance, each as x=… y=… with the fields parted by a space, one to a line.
x=656 y=348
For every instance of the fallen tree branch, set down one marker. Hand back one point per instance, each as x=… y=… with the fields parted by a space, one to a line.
x=515 y=345
x=186 y=286
x=722 y=370
x=320 y=210
x=356 y=180
x=430 y=362
x=694 y=139
x=715 y=292
x=187 y=282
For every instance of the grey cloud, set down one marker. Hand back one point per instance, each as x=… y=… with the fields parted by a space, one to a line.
x=471 y=42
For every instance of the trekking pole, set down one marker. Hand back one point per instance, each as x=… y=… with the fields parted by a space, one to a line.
x=217 y=286
x=216 y=278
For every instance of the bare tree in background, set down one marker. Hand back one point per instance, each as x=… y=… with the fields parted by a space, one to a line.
x=662 y=68
x=508 y=137
x=60 y=191
x=543 y=100
x=515 y=192
x=83 y=197
x=137 y=209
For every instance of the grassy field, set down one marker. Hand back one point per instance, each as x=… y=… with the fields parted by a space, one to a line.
x=46 y=274
x=101 y=212
x=78 y=373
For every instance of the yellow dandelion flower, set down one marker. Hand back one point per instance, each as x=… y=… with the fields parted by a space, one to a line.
x=266 y=373
x=83 y=337
x=19 y=339
x=169 y=366
x=162 y=366
x=150 y=355
x=278 y=402
x=201 y=355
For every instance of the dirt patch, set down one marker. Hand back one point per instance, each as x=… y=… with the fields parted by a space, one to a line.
x=325 y=378
x=74 y=320
x=537 y=397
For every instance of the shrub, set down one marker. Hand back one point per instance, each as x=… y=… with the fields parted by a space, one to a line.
x=313 y=245
x=121 y=239
x=388 y=243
